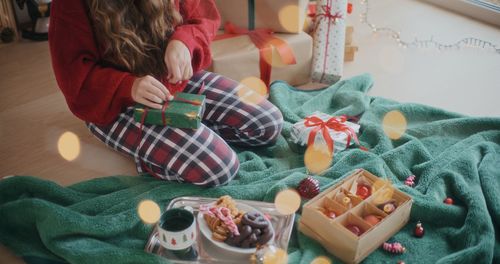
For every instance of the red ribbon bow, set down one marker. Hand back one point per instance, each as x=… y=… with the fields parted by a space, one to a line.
x=328 y=14
x=264 y=40
x=335 y=123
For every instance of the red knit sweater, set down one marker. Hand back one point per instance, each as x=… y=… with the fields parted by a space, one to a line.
x=96 y=93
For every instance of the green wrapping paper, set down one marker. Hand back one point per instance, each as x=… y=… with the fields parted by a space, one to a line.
x=185 y=111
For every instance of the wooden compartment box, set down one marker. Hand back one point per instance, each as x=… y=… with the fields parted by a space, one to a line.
x=326 y=217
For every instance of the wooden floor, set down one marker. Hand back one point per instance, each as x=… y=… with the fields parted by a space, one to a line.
x=33 y=115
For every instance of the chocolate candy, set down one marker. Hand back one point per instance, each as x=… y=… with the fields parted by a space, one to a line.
x=267 y=234
x=251 y=241
x=255 y=220
x=245 y=232
x=254 y=230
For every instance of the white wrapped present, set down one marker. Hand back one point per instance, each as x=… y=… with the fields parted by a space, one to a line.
x=329 y=41
x=313 y=128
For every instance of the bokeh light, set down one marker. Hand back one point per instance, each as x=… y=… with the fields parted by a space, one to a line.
x=287 y=202
x=275 y=256
x=288 y=17
x=379 y=184
x=149 y=211
x=394 y=124
x=317 y=158
x=321 y=260
x=68 y=146
x=252 y=90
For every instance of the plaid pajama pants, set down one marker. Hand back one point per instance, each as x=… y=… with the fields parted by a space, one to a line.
x=201 y=156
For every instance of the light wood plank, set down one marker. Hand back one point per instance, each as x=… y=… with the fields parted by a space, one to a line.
x=33 y=115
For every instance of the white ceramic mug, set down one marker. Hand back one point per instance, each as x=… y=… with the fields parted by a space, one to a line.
x=177 y=229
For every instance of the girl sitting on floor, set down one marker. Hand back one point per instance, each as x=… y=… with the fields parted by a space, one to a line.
x=108 y=55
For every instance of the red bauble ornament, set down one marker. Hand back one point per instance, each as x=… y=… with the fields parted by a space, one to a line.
x=363 y=191
x=419 y=230
x=448 y=201
x=308 y=187
x=372 y=219
x=354 y=229
x=330 y=214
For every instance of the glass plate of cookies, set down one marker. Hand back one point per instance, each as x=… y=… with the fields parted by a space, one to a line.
x=215 y=243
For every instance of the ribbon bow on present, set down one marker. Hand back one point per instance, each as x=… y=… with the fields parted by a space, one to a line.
x=327 y=14
x=264 y=40
x=335 y=123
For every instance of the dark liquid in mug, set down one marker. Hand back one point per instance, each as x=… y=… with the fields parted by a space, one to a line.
x=177 y=221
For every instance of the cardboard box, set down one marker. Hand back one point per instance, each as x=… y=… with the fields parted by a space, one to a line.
x=349 y=53
x=333 y=234
x=238 y=58
x=349 y=30
x=283 y=16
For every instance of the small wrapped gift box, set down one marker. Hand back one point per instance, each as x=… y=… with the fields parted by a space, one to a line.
x=354 y=217
x=238 y=58
x=329 y=41
x=312 y=130
x=283 y=16
x=184 y=111
x=349 y=53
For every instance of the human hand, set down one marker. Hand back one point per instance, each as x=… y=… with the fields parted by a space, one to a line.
x=178 y=62
x=150 y=92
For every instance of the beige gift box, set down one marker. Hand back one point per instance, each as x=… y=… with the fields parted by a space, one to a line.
x=333 y=234
x=238 y=58
x=283 y=16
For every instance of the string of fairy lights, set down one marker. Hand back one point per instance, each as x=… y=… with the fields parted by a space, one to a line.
x=468 y=42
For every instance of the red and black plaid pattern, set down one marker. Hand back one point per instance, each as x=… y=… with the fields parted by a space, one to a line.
x=201 y=156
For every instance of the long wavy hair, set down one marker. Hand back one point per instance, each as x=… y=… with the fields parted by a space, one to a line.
x=134 y=33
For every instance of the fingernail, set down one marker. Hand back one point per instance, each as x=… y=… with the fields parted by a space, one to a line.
x=170 y=98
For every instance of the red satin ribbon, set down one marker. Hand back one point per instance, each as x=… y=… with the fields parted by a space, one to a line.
x=327 y=14
x=335 y=123
x=311 y=10
x=263 y=39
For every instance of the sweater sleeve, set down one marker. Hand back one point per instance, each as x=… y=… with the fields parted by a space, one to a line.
x=93 y=92
x=201 y=20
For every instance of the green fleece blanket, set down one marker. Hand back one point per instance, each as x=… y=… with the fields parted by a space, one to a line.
x=451 y=155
